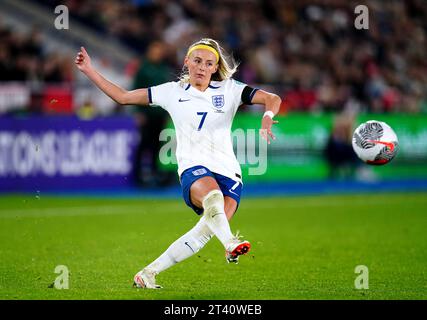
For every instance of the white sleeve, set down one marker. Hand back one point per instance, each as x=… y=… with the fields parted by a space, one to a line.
x=236 y=92
x=160 y=95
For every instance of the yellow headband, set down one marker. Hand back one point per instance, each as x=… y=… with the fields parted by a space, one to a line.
x=205 y=47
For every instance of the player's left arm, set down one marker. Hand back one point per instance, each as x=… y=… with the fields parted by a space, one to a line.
x=272 y=103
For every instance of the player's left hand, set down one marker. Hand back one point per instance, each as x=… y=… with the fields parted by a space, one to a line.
x=266 y=132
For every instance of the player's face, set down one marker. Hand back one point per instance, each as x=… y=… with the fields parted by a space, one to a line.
x=201 y=66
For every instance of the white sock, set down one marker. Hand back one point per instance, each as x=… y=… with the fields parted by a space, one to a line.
x=184 y=247
x=213 y=205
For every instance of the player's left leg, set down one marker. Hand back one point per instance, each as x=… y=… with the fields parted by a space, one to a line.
x=230 y=207
x=239 y=247
x=183 y=248
x=197 y=182
x=205 y=193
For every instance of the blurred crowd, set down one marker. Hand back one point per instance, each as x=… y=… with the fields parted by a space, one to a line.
x=22 y=58
x=309 y=51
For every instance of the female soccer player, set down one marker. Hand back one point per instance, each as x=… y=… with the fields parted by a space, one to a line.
x=202 y=105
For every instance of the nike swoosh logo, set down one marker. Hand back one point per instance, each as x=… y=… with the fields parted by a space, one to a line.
x=214 y=215
x=186 y=243
x=183 y=100
x=390 y=145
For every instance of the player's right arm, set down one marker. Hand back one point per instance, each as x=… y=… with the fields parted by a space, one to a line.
x=118 y=94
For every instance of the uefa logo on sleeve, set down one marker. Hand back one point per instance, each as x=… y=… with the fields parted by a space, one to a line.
x=218 y=101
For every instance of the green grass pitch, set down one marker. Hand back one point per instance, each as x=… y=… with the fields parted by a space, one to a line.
x=303 y=247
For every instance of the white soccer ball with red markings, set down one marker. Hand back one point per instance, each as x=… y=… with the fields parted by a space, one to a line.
x=375 y=142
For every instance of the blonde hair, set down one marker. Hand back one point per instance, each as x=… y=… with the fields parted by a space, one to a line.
x=227 y=66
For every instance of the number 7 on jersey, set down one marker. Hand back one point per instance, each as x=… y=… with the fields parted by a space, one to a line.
x=203 y=114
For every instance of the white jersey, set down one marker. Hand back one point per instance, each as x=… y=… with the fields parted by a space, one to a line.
x=202 y=123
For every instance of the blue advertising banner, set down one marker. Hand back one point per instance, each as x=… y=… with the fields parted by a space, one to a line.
x=63 y=153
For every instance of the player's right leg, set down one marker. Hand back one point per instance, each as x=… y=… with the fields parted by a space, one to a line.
x=188 y=244
x=181 y=249
x=191 y=242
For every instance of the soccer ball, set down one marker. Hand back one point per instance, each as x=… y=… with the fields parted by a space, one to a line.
x=375 y=142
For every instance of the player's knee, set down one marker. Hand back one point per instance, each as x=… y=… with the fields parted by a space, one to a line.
x=213 y=203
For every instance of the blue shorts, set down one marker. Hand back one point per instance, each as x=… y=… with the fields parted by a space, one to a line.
x=228 y=186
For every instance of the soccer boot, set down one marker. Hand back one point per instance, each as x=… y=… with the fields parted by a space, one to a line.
x=145 y=279
x=235 y=249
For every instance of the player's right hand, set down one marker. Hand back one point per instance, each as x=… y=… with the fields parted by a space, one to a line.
x=82 y=61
